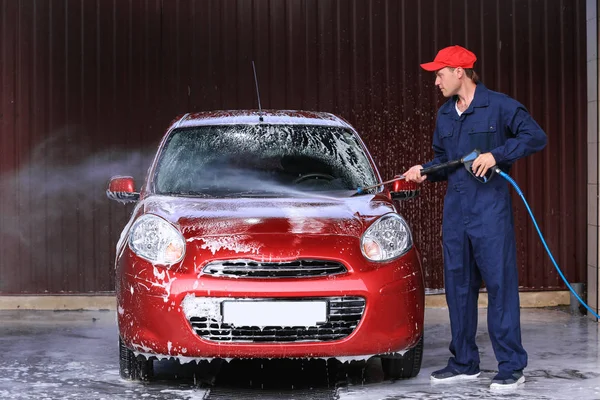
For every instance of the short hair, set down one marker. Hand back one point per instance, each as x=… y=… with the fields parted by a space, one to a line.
x=472 y=74
x=469 y=72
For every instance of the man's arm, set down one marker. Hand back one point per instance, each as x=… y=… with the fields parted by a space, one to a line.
x=528 y=138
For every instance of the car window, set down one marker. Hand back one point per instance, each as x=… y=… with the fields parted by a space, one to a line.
x=257 y=160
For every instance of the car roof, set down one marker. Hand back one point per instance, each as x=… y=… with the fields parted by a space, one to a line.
x=270 y=117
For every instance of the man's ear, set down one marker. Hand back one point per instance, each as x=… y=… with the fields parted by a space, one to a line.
x=459 y=72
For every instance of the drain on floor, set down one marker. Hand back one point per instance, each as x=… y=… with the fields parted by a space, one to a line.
x=221 y=393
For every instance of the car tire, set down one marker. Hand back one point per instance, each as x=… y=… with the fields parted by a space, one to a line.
x=407 y=366
x=134 y=368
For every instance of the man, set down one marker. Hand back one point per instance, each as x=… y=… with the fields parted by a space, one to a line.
x=477 y=230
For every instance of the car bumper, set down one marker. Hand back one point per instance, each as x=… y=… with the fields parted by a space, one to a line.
x=152 y=318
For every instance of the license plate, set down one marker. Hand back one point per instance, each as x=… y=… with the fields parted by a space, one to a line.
x=274 y=313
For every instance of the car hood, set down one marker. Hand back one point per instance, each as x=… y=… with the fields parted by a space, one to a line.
x=315 y=215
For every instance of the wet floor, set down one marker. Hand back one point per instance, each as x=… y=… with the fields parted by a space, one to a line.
x=74 y=355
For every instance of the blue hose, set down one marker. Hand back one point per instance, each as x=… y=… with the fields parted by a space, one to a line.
x=520 y=193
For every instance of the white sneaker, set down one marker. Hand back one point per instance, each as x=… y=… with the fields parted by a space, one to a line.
x=501 y=382
x=449 y=375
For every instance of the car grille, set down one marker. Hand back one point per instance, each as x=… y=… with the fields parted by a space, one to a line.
x=291 y=269
x=344 y=315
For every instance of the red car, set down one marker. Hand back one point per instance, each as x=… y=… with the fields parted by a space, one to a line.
x=249 y=239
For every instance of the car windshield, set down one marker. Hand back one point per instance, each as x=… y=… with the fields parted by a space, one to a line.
x=258 y=160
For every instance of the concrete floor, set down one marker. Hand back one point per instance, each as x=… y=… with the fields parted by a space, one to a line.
x=73 y=355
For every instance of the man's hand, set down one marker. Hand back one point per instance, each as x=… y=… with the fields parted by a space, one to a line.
x=483 y=163
x=414 y=174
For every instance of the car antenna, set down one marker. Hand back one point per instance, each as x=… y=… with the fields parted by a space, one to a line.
x=260 y=117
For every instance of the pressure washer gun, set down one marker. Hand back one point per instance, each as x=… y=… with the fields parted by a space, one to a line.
x=467 y=161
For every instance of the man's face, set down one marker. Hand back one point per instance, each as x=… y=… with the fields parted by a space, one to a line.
x=447 y=80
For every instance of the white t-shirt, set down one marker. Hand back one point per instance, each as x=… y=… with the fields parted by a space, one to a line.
x=457 y=110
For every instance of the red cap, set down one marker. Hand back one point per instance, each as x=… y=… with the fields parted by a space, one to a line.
x=452 y=56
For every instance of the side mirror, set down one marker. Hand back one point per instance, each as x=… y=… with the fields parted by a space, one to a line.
x=403 y=190
x=122 y=189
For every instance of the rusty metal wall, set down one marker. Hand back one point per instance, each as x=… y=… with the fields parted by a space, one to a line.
x=88 y=86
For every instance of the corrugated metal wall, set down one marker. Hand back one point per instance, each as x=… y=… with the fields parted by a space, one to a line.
x=88 y=86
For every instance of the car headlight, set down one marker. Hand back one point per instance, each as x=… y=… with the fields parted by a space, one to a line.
x=387 y=238
x=156 y=240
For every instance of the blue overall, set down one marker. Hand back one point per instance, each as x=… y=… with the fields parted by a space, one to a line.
x=477 y=230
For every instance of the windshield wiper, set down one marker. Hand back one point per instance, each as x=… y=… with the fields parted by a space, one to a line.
x=254 y=193
x=189 y=193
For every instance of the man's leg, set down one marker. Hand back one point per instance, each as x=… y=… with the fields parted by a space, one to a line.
x=462 y=283
x=496 y=257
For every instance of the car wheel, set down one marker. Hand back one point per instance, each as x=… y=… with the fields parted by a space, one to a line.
x=403 y=367
x=133 y=368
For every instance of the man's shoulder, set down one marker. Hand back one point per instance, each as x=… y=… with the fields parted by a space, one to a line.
x=503 y=100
